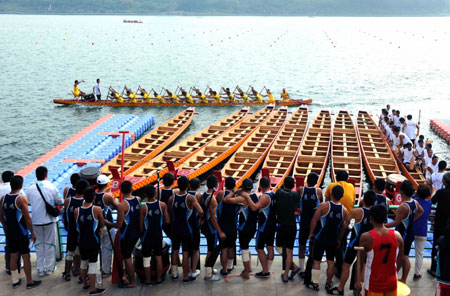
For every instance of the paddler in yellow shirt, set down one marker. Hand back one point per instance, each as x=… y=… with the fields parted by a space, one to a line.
x=173 y=97
x=145 y=95
x=257 y=96
x=76 y=90
x=131 y=95
x=158 y=97
x=187 y=96
x=270 y=97
x=229 y=95
x=285 y=96
x=200 y=95
x=242 y=94
x=214 y=95
x=115 y=95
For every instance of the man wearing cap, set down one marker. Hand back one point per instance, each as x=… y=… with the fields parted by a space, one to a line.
x=105 y=201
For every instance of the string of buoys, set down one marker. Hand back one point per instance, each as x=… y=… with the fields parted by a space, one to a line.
x=329 y=38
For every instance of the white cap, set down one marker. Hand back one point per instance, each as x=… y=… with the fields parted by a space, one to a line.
x=102 y=180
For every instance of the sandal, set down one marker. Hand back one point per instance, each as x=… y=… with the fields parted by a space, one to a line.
x=283 y=280
x=328 y=286
x=312 y=286
x=335 y=291
x=293 y=274
x=66 y=277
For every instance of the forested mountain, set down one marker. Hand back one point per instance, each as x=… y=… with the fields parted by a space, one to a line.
x=232 y=7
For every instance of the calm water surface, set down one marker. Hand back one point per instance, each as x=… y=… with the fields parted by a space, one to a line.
x=341 y=63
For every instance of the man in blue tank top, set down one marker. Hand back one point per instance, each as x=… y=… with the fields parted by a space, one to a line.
x=181 y=205
x=151 y=216
x=226 y=213
x=128 y=221
x=16 y=222
x=331 y=215
x=247 y=220
x=165 y=193
x=310 y=198
x=89 y=220
x=408 y=212
x=266 y=226
x=358 y=222
x=70 y=204
x=106 y=202
x=194 y=186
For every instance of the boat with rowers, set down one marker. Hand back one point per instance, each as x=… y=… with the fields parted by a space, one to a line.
x=152 y=143
x=250 y=155
x=147 y=171
x=314 y=150
x=345 y=150
x=282 y=155
x=376 y=153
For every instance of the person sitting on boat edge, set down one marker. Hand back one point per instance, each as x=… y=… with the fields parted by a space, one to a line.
x=257 y=96
x=269 y=95
x=146 y=96
x=131 y=95
x=114 y=95
x=200 y=95
x=187 y=96
x=229 y=95
x=242 y=94
x=77 y=93
x=159 y=98
x=173 y=97
x=285 y=96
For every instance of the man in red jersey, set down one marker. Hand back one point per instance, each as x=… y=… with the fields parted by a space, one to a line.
x=383 y=249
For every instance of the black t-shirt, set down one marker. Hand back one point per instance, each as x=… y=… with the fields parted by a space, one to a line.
x=286 y=204
x=442 y=198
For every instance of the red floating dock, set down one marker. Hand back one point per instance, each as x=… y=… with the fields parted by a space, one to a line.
x=441 y=127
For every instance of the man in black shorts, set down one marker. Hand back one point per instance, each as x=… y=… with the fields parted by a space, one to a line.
x=287 y=201
x=16 y=222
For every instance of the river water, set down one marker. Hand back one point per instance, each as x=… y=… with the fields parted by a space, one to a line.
x=341 y=63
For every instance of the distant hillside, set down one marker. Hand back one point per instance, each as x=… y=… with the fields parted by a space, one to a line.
x=232 y=7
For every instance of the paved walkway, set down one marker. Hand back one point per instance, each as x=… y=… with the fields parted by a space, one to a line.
x=234 y=285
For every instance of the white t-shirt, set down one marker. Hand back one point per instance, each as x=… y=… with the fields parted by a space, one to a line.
x=397 y=121
x=39 y=215
x=407 y=155
x=420 y=150
x=5 y=188
x=97 y=89
x=410 y=130
x=396 y=141
x=433 y=167
x=436 y=179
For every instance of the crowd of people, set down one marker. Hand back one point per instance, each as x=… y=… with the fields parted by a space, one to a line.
x=179 y=96
x=183 y=214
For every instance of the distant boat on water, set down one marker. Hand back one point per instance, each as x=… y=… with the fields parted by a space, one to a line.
x=133 y=21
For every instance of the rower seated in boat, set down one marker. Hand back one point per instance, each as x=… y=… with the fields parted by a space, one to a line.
x=257 y=97
x=242 y=94
x=159 y=98
x=399 y=138
x=270 y=97
x=115 y=95
x=187 y=96
x=214 y=95
x=285 y=96
x=172 y=97
x=145 y=95
x=130 y=95
x=407 y=156
x=229 y=95
x=200 y=95
x=77 y=93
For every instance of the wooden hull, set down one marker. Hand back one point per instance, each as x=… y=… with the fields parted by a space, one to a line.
x=152 y=143
x=314 y=151
x=282 y=155
x=377 y=155
x=113 y=103
x=225 y=145
x=252 y=153
x=345 y=150
x=416 y=177
x=146 y=172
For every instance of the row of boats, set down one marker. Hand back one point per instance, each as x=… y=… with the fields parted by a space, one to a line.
x=281 y=143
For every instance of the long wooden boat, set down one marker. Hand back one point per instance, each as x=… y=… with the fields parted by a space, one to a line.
x=152 y=143
x=282 y=155
x=345 y=150
x=377 y=156
x=314 y=151
x=146 y=172
x=253 y=151
x=416 y=176
x=225 y=145
x=113 y=103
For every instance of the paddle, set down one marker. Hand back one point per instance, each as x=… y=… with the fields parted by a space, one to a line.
x=418 y=129
x=358 y=264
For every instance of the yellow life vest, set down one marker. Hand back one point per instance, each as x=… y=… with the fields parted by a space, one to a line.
x=175 y=99
x=76 y=90
x=160 y=99
x=147 y=97
x=132 y=96
x=271 y=98
x=284 y=96
x=217 y=98
x=203 y=98
x=189 y=99
x=245 y=98
x=258 y=98
x=231 y=98
x=119 y=99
